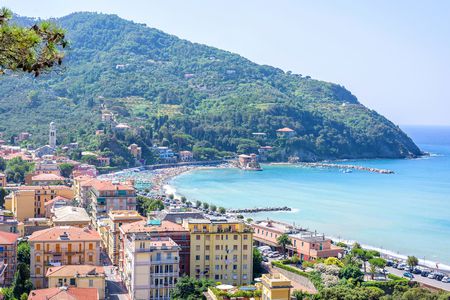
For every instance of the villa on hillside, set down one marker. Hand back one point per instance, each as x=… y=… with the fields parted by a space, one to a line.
x=285 y=132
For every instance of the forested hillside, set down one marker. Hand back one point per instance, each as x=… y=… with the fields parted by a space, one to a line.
x=188 y=96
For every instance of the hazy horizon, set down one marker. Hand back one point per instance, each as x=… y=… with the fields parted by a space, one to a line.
x=392 y=56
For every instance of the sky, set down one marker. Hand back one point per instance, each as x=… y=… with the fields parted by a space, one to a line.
x=393 y=55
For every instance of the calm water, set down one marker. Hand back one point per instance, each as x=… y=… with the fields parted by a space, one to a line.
x=407 y=212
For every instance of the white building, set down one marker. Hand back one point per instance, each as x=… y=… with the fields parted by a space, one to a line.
x=52 y=135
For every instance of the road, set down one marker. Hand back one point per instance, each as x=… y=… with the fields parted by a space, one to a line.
x=418 y=278
x=115 y=289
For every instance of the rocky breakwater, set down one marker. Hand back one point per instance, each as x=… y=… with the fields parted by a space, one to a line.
x=259 y=209
x=348 y=167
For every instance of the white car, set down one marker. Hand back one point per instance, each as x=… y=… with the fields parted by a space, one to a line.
x=446 y=279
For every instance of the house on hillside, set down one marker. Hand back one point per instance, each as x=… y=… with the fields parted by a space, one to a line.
x=285 y=132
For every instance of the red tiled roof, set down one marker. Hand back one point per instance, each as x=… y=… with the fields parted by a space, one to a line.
x=141 y=226
x=73 y=233
x=43 y=187
x=64 y=293
x=8 y=238
x=47 y=177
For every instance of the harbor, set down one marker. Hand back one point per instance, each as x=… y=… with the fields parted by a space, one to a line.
x=346 y=168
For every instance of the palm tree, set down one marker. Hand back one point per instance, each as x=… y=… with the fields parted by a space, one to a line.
x=412 y=261
x=283 y=241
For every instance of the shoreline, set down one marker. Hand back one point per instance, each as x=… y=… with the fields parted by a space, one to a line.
x=160 y=184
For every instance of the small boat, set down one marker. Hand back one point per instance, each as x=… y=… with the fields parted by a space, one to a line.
x=347 y=171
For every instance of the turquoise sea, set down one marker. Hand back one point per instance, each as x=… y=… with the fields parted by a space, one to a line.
x=407 y=212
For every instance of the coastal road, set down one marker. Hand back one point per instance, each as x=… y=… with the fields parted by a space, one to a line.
x=438 y=284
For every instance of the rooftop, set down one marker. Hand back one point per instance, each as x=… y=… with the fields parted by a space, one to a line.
x=275 y=226
x=65 y=233
x=43 y=187
x=75 y=270
x=285 y=129
x=8 y=238
x=124 y=214
x=146 y=226
x=71 y=214
x=64 y=293
x=47 y=177
x=309 y=236
x=111 y=186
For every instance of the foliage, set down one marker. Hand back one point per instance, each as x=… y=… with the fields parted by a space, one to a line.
x=146 y=205
x=376 y=262
x=222 y=210
x=205 y=205
x=289 y=268
x=17 y=168
x=21 y=281
x=31 y=50
x=235 y=294
x=412 y=261
x=257 y=263
x=66 y=169
x=188 y=288
x=187 y=96
x=3 y=193
x=334 y=261
x=341 y=244
x=351 y=271
x=423 y=294
x=7 y=293
x=342 y=292
x=301 y=295
x=212 y=207
x=23 y=253
x=283 y=241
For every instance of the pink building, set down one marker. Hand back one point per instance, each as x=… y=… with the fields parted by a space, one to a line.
x=84 y=170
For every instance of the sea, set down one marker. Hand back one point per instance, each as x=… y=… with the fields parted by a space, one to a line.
x=406 y=213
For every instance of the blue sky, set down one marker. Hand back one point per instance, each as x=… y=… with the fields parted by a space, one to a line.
x=393 y=55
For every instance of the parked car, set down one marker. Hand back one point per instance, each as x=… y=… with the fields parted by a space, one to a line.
x=395 y=265
x=409 y=275
x=416 y=271
x=265 y=259
x=389 y=263
x=432 y=275
x=401 y=266
x=439 y=276
x=446 y=279
x=425 y=273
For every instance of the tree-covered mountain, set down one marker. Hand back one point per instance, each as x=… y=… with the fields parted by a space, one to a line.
x=188 y=96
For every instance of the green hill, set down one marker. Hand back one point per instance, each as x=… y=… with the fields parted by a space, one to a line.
x=188 y=96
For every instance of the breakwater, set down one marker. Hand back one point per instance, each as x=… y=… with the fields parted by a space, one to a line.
x=351 y=167
x=259 y=209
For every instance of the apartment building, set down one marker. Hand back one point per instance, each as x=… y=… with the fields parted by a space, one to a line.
x=62 y=245
x=29 y=201
x=221 y=250
x=108 y=195
x=150 y=266
x=8 y=223
x=81 y=276
x=8 y=257
x=157 y=228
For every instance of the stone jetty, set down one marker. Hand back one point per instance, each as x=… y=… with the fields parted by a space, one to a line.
x=259 y=209
x=352 y=167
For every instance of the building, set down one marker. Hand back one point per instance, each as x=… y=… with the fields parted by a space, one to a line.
x=158 y=228
x=81 y=188
x=23 y=136
x=103 y=161
x=47 y=179
x=186 y=156
x=8 y=257
x=8 y=223
x=177 y=215
x=264 y=151
x=136 y=151
x=2 y=180
x=62 y=245
x=108 y=195
x=81 y=276
x=71 y=216
x=122 y=127
x=151 y=266
x=107 y=117
x=32 y=225
x=311 y=246
x=47 y=166
x=29 y=201
x=52 y=135
x=248 y=162
x=116 y=219
x=84 y=170
x=275 y=287
x=221 y=250
x=55 y=203
x=165 y=154
x=285 y=133
x=64 y=293
x=306 y=244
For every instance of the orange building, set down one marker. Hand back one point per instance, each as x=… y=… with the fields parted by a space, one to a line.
x=66 y=293
x=8 y=257
x=107 y=195
x=62 y=245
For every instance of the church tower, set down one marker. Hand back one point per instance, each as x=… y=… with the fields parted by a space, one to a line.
x=52 y=135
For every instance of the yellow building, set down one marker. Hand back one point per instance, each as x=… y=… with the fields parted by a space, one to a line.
x=29 y=201
x=81 y=276
x=62 y=245
x=221 y=250
x=150 y=269
x=8 y=202
x=275 y=287
x=2 y=180
x=110 y=237
x=81 y=186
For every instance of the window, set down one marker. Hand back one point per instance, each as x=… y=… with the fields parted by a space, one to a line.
x=207 y=248
x=38 y=247
x=58 y=248
x=91 y=246
x=197 y=257
x=197 y=237
x=217 y=237
x=245 y=256
x=197 y=248
x=235 y=237
x=206 y=257
x=60 y=282
x=38 y=271
x=91 y=283
x=245 y=237
x=158 y=256
x=217 y=247
x=38 y=259
x=217 y=267
x=234 y=267
x=91 y=259
x=217 y=257
x=245 y=247
x=216 y=277
x=207 y=237
x=72 y=282
x=244 y=266
x=235 y=247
